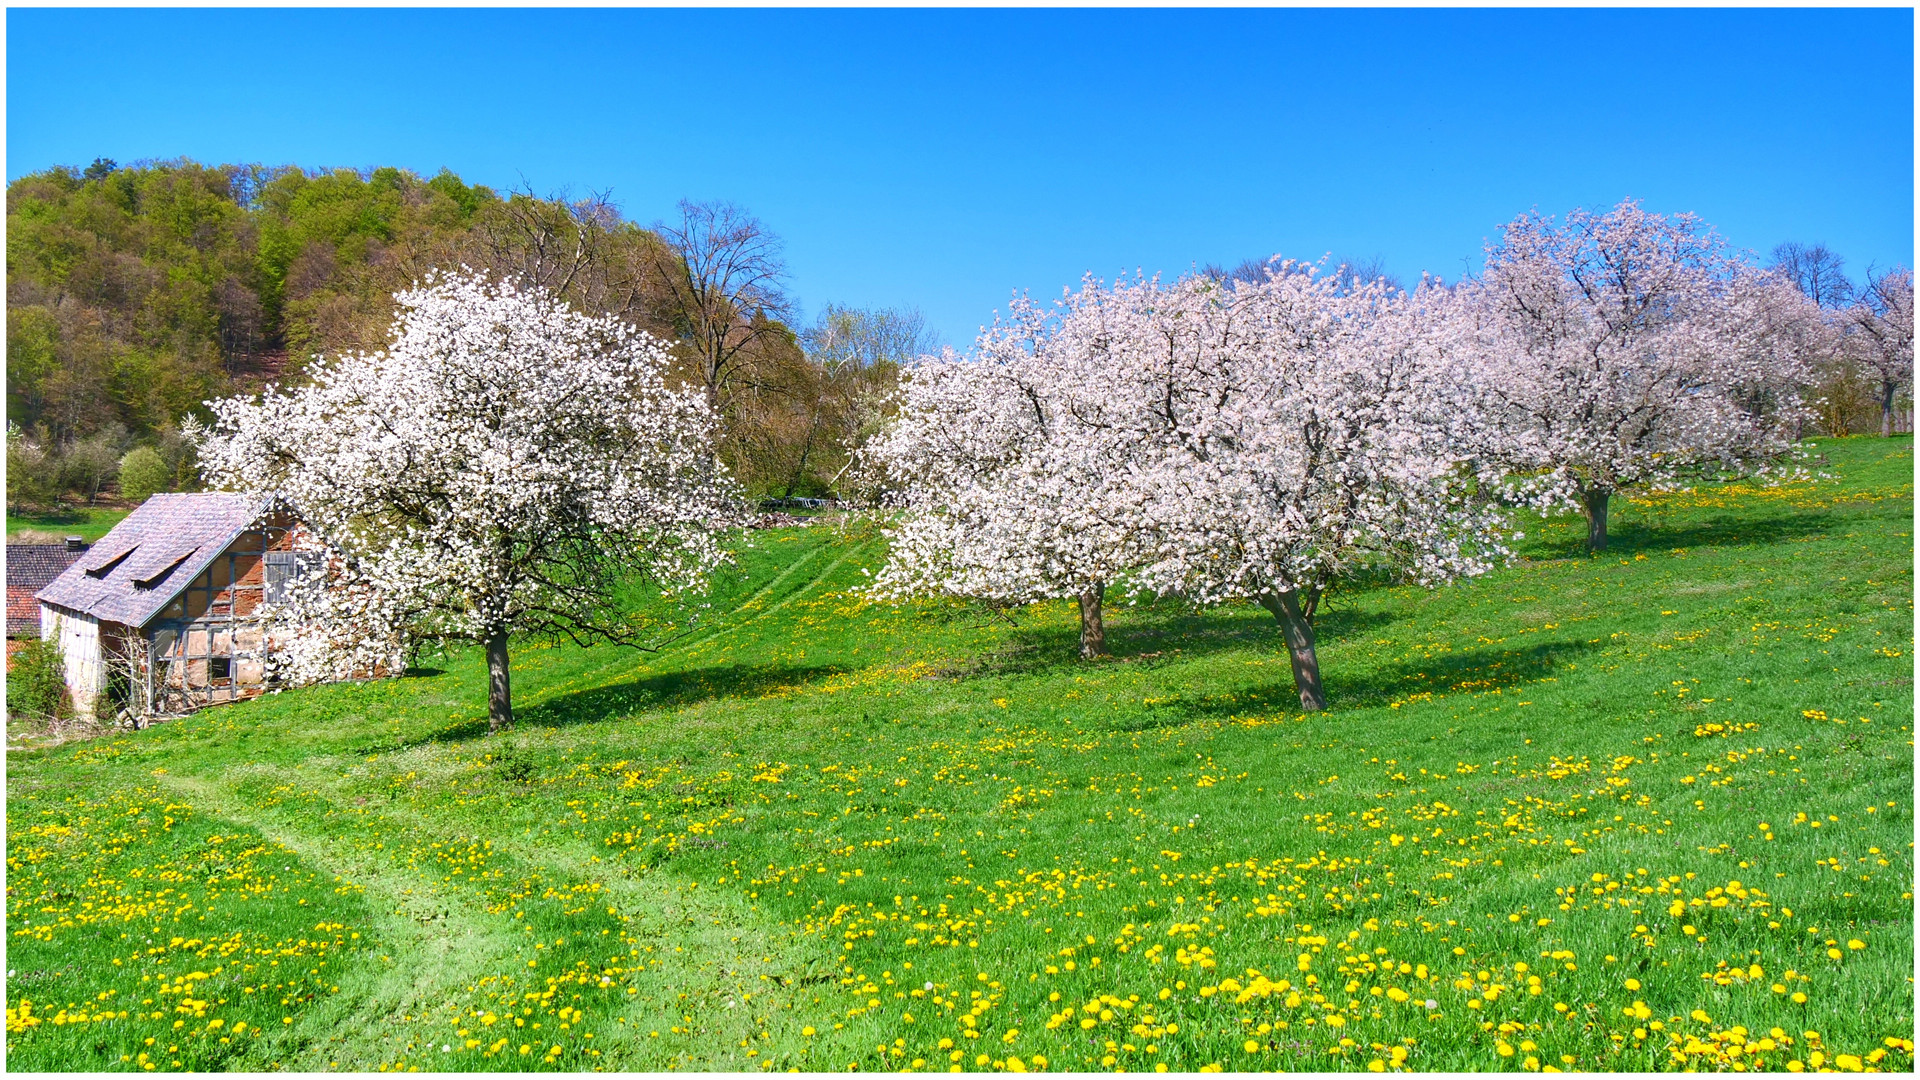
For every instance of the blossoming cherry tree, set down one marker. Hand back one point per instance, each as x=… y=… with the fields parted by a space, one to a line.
x=1010 y=495
x=507 y=465
x=1881 y=319
x=1631 y=349
x=1313 y=434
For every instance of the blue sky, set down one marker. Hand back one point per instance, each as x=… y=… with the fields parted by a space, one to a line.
x=944 y=159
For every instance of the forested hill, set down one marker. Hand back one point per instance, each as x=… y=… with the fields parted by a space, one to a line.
x=135 y=294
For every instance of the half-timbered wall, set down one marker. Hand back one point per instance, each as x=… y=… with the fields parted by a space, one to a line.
x=207 y=646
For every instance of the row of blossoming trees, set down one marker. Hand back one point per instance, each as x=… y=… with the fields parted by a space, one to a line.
x=1262 y=440
x=511 y=466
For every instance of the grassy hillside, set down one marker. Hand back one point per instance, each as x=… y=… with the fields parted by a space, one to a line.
x=49 y=526
x=1636 y=811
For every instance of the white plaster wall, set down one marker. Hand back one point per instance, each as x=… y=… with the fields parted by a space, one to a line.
x=78 y=637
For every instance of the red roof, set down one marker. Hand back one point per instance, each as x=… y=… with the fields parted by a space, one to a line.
x=30 y=568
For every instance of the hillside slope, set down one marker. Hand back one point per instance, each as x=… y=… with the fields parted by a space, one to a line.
x=1618 y=812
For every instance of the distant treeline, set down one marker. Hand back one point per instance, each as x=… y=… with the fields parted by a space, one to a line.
x=135 y=294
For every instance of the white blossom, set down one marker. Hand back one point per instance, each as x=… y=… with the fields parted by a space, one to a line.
x=1219 y=441
x=1628 y=349
x=1880 y=338
x=1014 y=495
x=507 y=465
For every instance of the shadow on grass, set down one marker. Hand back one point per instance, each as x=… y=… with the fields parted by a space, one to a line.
x=1647 y=532
x=669 y=690
x=1473 y=672
x=1147 y=635
x=62 y=516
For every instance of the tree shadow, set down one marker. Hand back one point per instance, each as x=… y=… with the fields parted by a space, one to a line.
x=61 y=515
x=1151 y=636
x=1472 y=672
x=1634 y=537
x=1650 y=534
x=668 y=690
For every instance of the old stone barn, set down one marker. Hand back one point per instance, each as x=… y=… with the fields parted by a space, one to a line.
x=162 y=615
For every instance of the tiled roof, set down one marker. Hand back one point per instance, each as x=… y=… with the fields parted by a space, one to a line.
x=30 y=568
x=135 y=570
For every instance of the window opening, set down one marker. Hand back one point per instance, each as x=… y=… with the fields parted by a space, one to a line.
x=284 y=568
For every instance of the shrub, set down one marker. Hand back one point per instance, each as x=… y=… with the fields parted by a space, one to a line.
x=87 y=465
x=36 y=683
x=143 y=472
x=32 y=474
x=1847 y=402
x=183 y=465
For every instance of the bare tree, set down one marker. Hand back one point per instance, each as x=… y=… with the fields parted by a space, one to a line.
x=1347 y=273
x=857 y=356
x=581 y=250
x=241 y=320
x=723 y=294
x=1246 y=270
x=1881 y=319
x=1356 y=273
x=847 y=337
x=770 y=415
x=1819 y=273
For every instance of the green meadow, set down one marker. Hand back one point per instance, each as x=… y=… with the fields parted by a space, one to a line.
x=1651 y=809
x=43 y=526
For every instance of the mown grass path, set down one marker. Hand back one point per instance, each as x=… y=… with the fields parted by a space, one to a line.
x=1650 y=809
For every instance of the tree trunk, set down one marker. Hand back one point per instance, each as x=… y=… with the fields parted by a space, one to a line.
x=1594 y=505
x=1886 y=409
x=1093 y=628
x=800 y=470
x=499 y=684
x=1298 y=632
